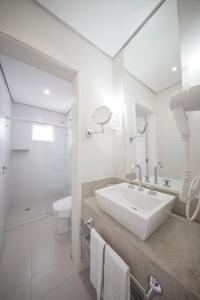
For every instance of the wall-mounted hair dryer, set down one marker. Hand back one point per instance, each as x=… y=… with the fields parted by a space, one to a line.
x=187 y=100
x=181 y=102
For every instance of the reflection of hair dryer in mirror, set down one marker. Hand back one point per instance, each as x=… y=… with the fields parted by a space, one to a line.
x=181 y=102
x=182 y=123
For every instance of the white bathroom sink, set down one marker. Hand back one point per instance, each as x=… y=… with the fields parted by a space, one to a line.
x=138 y=211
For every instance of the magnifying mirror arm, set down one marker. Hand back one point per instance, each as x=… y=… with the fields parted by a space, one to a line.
x=89 y=132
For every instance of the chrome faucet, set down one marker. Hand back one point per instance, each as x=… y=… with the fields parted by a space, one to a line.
x=159 y=164
x=140 y=175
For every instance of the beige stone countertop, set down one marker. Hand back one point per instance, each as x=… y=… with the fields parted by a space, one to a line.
x=175 y=246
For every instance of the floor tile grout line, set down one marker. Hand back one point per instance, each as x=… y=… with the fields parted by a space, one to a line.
x=12 y=291
x=29 y=221
x=17 y=287
x=30 y=250
x=33 y=277
x=30 y=243
x=58 y=286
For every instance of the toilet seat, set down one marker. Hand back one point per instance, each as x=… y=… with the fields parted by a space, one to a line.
x=62 y=212
x=63 y=207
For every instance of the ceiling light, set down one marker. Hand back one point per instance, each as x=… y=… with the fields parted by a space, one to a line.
x=46 y=92
x=174 y=69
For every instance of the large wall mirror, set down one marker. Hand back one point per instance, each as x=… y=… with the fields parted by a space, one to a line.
x=152 y=72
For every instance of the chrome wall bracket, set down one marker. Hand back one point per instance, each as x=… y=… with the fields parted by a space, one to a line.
x=89 y=132
x=89 y=223
x=154 y=288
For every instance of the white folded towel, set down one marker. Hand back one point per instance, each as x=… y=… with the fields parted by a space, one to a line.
x=116 y=280
x=97 y=247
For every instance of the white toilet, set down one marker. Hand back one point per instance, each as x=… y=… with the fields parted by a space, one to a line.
x=62 y=211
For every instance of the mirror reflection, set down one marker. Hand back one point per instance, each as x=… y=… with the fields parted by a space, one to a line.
x=153 y=55
x=152 y=72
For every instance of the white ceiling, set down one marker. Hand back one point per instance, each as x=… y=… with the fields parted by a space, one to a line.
x=107 y=24
x=150 y=55
x=27 y=85
x=153 y=52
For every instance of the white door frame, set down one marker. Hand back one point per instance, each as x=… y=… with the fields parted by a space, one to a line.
x=2 y=181
x=38 y=59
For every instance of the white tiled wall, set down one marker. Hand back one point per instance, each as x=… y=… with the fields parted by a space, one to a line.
x=44 y=171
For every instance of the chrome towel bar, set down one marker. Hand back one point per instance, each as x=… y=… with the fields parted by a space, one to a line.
x=154 y=288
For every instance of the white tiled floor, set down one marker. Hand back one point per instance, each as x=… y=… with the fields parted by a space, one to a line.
x=36 y=264
x=19 y=215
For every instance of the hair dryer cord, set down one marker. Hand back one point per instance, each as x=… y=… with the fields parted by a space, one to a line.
x=192 y=194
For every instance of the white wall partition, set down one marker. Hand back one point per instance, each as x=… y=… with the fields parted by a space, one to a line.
x=5 y=107
x=95 y=73
x=40 y=170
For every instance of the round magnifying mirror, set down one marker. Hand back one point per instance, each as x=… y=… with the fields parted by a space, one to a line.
x=102 y=115
x=142 y=127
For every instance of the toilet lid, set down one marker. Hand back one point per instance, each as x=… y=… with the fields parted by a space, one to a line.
x=63 y=206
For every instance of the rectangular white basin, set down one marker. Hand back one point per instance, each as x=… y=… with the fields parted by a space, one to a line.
x=138 y=211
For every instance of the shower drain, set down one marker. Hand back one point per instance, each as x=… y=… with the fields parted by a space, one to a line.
x=134 y=208
x=27 y=209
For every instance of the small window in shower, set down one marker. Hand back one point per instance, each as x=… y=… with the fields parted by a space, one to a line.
x=42 y=133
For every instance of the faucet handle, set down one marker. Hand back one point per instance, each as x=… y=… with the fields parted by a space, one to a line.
x=166 y=182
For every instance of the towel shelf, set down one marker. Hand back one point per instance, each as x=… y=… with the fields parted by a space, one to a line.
x=154 y=288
